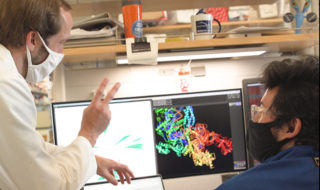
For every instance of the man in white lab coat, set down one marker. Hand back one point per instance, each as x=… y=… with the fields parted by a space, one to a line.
x=32 y=34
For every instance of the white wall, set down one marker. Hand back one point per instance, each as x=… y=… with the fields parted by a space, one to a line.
x=163 y=79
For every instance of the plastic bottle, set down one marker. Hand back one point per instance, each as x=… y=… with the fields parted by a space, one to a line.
x=132 y=17
x=185 y=77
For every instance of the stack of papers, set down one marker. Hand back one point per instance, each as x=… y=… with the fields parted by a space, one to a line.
x=94 y=31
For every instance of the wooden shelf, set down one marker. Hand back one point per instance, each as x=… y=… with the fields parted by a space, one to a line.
x=261 y=22
x=290 y=42
x=114 y=6
x=94 y=50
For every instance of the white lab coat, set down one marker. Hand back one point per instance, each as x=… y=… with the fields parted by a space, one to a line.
x=26 y=161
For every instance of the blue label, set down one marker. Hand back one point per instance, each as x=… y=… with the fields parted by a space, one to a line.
x=137 y=28
x=204 y=26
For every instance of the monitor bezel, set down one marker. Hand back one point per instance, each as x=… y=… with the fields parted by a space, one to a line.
x=116 y=100
x=133 y=179
x=203 y=92
x=246 y=108
x=245 y=83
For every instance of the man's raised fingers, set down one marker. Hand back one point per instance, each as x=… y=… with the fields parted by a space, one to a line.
x=100 y=91
x=111 y=93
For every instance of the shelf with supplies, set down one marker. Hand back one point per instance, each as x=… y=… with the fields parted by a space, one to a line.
x=40 y=88
x=179 y=27
x=114 y=6
x=40 y=92
x=279 y=42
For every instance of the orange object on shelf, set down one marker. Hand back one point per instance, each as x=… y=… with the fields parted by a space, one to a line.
x=219 y=13
x=185 y=77
x=132 y=18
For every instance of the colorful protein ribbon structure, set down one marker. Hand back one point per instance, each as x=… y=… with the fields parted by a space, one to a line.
x=180 y=133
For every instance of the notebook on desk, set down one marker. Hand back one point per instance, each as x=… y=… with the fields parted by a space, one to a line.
x=143 y=183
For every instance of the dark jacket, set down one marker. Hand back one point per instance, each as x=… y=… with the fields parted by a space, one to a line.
x=292 y=169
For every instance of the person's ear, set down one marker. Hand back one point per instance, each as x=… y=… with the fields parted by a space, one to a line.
x=31 y=40
x=294 y=128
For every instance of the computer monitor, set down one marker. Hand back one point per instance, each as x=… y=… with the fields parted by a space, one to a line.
x=129 y=138
x=199 y=133
x=253 y=91
x=144 y=183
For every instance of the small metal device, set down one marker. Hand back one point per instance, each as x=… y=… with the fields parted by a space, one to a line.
x=140 y=45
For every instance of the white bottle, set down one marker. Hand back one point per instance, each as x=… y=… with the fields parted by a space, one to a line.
x=202 y=25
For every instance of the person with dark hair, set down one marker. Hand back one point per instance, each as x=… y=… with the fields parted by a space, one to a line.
x=284 y=131
x=32 y=36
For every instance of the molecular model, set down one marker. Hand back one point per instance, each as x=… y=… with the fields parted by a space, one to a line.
x=181 y=134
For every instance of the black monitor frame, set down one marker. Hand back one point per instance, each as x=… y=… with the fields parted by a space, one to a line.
x=246 y=107
x=133 y=179
x=200 y=92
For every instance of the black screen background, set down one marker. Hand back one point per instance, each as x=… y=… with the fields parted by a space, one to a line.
x=217 y=117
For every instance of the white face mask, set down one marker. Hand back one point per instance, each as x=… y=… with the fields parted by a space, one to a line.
x=37 y=73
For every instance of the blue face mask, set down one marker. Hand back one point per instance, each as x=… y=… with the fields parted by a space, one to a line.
x=261 y=142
